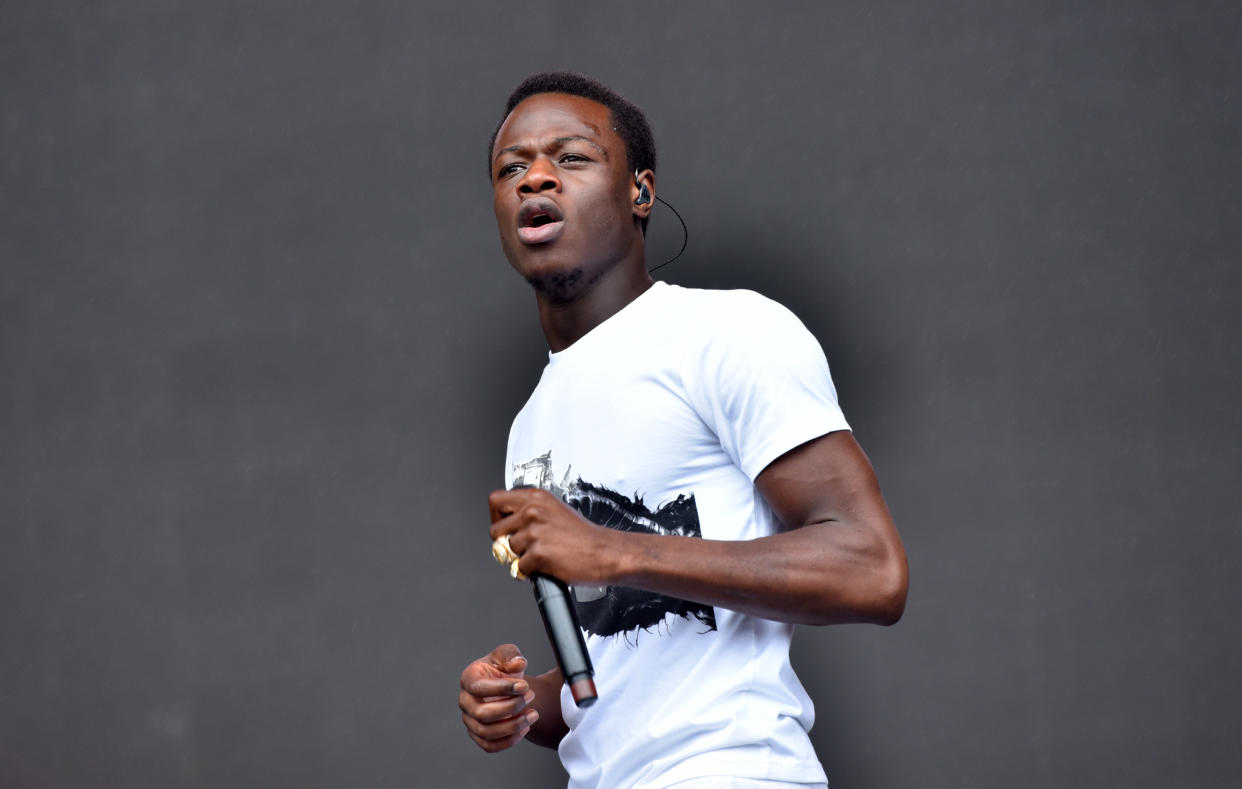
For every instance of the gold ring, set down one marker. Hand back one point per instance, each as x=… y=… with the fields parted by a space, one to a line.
x=501 y=551
x=515 y=572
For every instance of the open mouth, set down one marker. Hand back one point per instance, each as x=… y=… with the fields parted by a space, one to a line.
x=539 y=221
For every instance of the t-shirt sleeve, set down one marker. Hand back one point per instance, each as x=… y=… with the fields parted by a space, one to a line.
x=761 y=381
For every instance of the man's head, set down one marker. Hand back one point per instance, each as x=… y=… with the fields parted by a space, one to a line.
x=628 y=121
x=569 y=201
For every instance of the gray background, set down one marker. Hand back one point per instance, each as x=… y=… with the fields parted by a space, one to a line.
x=260 y=349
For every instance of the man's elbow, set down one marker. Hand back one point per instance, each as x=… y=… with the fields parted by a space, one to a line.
x=890 y=595
x=877 y=599
x=891 y=586
x=881 y=597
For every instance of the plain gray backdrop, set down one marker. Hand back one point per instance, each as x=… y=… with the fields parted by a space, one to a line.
x=260 y=350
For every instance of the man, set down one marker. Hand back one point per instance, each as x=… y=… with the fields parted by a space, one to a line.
x=701 y=429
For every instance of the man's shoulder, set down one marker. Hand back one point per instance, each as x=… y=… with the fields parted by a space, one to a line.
x=725 y=306
x=715 y=295
x=727 y=314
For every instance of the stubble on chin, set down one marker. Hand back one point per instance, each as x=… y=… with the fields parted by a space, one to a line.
x=558 y=287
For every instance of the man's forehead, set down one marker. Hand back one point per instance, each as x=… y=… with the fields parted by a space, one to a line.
x=557 y=114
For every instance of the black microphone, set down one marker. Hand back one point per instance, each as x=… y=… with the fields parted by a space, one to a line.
x=561 y=621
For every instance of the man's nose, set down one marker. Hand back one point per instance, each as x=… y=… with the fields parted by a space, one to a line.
x=540 y=176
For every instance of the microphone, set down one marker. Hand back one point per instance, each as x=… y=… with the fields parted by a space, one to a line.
x=561 y=622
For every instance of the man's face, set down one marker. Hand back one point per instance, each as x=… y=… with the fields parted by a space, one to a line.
x=562 y=193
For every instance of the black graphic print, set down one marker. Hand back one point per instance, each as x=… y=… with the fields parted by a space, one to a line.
x=617 y=610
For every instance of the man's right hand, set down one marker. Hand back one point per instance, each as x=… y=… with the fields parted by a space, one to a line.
x=495 y=699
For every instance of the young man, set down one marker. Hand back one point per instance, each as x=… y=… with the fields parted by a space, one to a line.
x=682 y=464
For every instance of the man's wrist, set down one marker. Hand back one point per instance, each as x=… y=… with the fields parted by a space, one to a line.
x=631 y=556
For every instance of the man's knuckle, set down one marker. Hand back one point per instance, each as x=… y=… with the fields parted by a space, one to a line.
x=491 y=746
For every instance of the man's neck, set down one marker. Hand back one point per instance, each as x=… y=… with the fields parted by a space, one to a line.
x=564 y=323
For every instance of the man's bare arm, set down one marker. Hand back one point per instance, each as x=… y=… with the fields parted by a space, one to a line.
x=839 y=558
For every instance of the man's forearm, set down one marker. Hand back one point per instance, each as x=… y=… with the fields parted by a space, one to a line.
x=821 y=573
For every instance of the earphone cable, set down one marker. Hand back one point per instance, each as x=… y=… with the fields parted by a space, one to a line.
x=685 y=235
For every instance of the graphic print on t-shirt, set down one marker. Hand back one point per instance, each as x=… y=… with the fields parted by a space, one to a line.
x=613 y=610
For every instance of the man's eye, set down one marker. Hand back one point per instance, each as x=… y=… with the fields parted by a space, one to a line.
x=508 y=169
x=573 y=157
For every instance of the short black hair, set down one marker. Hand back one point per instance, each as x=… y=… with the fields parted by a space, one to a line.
x=628 y=121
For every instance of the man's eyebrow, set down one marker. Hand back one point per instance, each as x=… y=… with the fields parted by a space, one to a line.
x=558 y=141
x=580 y=138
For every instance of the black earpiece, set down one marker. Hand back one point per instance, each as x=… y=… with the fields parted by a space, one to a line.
x=644 y=196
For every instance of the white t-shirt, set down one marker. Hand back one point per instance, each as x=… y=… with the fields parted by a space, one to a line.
x=659 y=420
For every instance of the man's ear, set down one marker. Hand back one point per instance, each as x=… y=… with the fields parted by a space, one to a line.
x=642 y=193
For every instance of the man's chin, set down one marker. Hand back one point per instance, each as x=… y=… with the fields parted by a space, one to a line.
x=558 y=286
